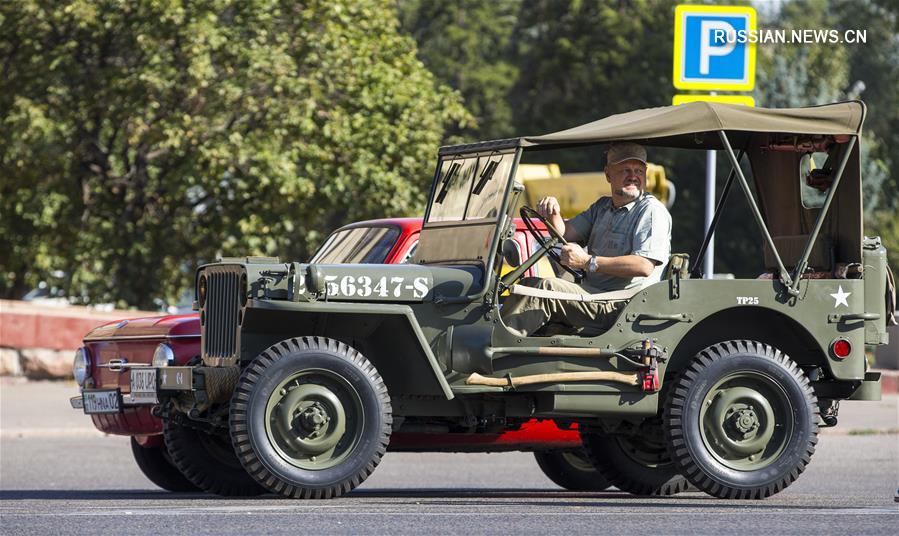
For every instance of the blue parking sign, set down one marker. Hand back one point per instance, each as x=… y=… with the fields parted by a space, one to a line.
x=703 y=59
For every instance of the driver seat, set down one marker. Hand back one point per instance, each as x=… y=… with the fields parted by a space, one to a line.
x=678 y=265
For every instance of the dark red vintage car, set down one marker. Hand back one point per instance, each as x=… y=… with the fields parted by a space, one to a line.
x=185 y=459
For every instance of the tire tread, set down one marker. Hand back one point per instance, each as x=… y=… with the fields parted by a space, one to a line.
x=677 y=400
x=238 y=416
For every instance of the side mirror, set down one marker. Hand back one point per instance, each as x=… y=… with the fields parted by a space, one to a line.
x=512 y=252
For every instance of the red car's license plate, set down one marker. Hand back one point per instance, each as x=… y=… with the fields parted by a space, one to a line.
x=102 y=401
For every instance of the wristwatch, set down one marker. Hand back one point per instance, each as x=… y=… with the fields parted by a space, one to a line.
x=592 y=266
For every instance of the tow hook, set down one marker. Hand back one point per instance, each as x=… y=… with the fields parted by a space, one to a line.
x=649 y=374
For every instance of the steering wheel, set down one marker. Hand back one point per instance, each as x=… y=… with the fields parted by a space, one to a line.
x=546 y=244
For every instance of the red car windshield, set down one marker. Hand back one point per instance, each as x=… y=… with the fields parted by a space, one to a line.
x=357 y=245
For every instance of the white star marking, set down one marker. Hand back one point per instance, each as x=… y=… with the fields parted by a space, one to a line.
x=840 y=297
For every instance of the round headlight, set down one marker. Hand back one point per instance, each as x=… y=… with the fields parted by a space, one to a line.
x=163 y=356
x=81 y=368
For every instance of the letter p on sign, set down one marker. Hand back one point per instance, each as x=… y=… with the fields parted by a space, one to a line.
x=706 y=54
x=713 y=41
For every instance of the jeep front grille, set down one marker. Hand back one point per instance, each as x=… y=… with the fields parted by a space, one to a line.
x=221 y=312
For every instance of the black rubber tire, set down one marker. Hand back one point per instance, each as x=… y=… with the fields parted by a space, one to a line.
x=208 y=461
x=255 y=391
x=156 y=464
x=615 y=459
x=569 y=474
x=682 y=413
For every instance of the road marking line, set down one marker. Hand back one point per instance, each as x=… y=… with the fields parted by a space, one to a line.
x=854 y=512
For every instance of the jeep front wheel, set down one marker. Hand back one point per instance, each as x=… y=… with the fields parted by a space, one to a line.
x=742 y=420
x=570 y=469
x=310 y=418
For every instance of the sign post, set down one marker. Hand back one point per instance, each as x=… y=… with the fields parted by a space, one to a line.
x=708 y=56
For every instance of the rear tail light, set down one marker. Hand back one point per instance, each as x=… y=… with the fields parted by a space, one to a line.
x=840 y=348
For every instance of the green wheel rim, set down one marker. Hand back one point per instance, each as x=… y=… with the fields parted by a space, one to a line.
x=314 y=419
x=746 y=420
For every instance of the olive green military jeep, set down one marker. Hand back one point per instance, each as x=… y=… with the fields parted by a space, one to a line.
x=722 y=384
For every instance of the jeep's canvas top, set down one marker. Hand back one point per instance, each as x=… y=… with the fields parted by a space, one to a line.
x=682 y=126
x=657 y=126
x=776 y=143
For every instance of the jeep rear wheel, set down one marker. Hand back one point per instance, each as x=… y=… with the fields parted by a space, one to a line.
x=742 y=421
x=637 y=464
x=156 y=464
x=570 y=469
x=310 y=418
x=208 y=461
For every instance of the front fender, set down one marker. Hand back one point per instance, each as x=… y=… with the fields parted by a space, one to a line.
x=272 y=320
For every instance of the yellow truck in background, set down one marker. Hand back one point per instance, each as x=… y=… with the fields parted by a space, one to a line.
x=577 y=191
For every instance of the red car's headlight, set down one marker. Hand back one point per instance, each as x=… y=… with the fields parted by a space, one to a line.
x=81 y=368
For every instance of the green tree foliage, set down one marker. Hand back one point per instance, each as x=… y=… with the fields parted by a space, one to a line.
x=140 y=138
x=801 y=74
x=874 y=77
x=583 y=59
x=467 y=44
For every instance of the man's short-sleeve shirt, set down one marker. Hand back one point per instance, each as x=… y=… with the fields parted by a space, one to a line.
x=642 y=227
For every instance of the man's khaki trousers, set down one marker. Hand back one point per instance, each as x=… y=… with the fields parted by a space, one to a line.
x=527 y=314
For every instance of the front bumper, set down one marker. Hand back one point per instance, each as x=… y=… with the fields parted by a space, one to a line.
x=131 y=413
x=128 y=420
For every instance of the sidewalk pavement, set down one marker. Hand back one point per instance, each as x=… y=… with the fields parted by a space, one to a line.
x=42 y=409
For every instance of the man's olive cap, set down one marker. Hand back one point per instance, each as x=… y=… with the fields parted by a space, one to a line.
x=619 y=152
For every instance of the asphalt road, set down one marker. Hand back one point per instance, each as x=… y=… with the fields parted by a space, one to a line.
x=58 y=476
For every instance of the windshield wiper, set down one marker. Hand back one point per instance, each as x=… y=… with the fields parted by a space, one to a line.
x=486 y=175
x=447 y=182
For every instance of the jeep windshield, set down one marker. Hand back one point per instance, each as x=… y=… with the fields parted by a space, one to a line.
x=357 y=245
x=470 y=187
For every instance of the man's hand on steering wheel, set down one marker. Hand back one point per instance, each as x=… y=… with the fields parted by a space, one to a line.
x=555 y=238
x=548 y=207
x=574 y=256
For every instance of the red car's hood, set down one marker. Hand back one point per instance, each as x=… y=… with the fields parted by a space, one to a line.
x=153 y=326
